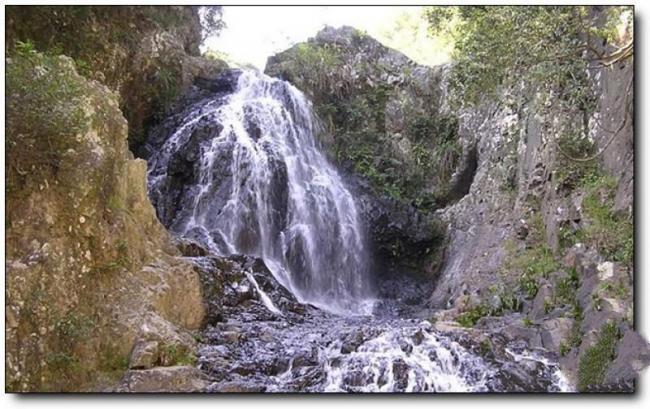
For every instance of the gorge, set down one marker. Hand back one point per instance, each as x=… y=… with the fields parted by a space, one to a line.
x=334 y=224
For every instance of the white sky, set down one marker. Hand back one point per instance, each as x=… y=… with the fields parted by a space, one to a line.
x=256 y=32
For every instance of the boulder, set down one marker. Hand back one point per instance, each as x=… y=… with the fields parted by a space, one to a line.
x=554 y=332
x=144 y=355
x=171 y=379
x=632 y=356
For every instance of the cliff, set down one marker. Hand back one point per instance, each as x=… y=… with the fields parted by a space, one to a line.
x=537 y=202
x=92 y=275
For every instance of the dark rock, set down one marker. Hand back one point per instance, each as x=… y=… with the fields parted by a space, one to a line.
x=225 y=83
x=352 y=342
x=400 y=374
x=237 y=387
x=190 y=248
x=632 y=356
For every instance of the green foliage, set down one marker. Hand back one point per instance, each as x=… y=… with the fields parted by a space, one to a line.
x=101 y=39
x=566 y=288
x=617 y=290
x=531 y=264
x=610 y=233
x=564 y=349
x=173 y=354
x=62 y=361
x=495 y=45
x=74 y=327
x=470 y=317
x=575 y=338
x=595 y=361
x=113 y=361
x=211 y=21
x=45 y=111
x=508 y=301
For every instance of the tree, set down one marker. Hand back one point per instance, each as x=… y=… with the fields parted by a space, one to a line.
x=211 y=21
x=549 y=49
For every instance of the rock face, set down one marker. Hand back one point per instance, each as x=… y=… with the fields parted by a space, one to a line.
x=499 y=175
x=180 y=379
x=89 y=268
x=385 y=125
x=511 y=238
x=125 y=48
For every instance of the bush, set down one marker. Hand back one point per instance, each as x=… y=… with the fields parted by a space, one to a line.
x=595 y=361
x=610 y=233
x=45 y=112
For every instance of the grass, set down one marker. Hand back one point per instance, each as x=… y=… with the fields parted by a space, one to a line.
x=596 y=360
x=173 y=354
x=73 y=327
x=611 y=233
x=45 y=111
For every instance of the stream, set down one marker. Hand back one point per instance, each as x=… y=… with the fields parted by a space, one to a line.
x=241 y=173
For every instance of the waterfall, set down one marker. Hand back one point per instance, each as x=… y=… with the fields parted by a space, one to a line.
x=257 y=183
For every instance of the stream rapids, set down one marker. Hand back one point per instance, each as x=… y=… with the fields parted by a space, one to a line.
x=241 y=173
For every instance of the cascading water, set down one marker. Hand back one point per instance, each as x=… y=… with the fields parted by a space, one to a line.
x=279 y=198
x=240 y=172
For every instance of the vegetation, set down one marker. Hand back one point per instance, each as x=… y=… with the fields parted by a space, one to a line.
x=611 y=233
x=507 y=301
x=533 y=261
x=595 y=361
x=412 y=164
x=174 y=354
x=106 y=43
x=492 y=44
x=608 y=231
x=45 y=112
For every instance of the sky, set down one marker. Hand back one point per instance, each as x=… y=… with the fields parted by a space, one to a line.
x=254 y=33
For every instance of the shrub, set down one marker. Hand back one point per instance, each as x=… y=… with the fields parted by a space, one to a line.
x=595 y=361
x=45 y=111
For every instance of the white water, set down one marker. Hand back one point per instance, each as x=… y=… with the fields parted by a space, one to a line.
x=260 y=186
x=281 y=200
x=431 y=364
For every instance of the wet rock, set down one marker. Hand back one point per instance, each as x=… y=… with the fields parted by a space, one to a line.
x=190 y=248
x=400 y=374
x=352 y=342
x=230 y=337
x=224 y=83
x=237 y=387
x=168 y=379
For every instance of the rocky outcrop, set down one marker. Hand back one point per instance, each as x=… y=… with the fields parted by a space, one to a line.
x=385 y=124
x=511 y=238
x=90 y=270
x=148 y=55
x=92 y=275
x=383 y=113
x=519 y=184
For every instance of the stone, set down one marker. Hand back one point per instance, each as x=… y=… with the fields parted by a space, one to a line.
x=170 y=379
x=542 y=299
x=144 y=355
x=237 y=387
x=632 y=356
x=554 y=332
x=605 y=270
x=190 y=248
